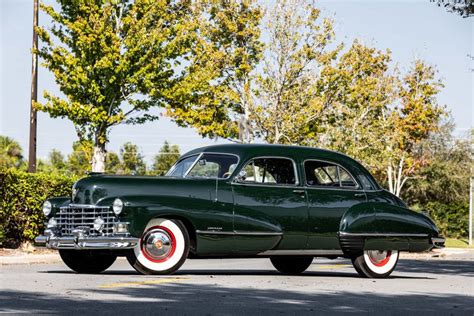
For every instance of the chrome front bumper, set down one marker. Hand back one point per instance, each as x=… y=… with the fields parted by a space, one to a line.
x=438 y=242
x=86 y=242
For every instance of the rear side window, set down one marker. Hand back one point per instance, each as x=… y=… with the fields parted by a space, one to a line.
x=326 y=174
x=269 y=171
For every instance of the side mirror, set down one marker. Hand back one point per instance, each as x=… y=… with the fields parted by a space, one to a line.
x=241 y=176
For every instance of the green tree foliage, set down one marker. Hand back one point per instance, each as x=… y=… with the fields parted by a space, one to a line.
x=441 y=187
x=112 y=163
x=166 y=157
x=79 y=161
x=115 y=60
x=218 y=100
x=11 y=153
x=285 y=89
x=132 y=160
x=464 y=8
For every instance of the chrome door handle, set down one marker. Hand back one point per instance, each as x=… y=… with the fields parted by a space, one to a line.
x=358 y=195
x=299 y=191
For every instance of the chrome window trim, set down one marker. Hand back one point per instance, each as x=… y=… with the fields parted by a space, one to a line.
x=295 y=170
x=358 y=187
x=176 y=163
x=212 y=153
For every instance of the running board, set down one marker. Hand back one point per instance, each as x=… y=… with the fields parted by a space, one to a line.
x=302 y=252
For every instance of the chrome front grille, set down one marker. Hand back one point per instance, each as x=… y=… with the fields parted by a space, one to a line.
x=82 y=217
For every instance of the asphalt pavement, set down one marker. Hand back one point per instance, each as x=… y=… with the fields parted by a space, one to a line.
x=435 y=286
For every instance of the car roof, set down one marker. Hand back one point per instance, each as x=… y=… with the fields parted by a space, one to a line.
x=297 y=153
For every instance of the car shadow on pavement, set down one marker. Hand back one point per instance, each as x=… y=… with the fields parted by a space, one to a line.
x=437 y=266
x=196 y=299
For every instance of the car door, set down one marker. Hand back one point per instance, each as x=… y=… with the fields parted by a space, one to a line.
x=331 y=191
x=270 y=208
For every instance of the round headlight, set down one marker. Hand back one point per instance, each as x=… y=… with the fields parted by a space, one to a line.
x=117 y=206
x=52 y=223
x=47 y=206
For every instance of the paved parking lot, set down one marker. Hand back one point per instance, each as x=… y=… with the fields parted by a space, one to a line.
x=241 y=286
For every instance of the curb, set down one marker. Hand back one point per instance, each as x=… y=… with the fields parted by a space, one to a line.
x=30 y=259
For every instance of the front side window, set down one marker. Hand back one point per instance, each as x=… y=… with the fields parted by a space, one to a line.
x=180 y=168
x=213 y=166
x=326 y=174
x=269 y=171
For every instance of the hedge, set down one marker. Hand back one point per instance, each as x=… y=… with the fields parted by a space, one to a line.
x=452 y=219
x=21 y=198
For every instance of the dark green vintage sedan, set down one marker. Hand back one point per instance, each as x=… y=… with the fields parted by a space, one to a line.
x=286 y=203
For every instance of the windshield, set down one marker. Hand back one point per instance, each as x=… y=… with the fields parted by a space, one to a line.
x=207 y=166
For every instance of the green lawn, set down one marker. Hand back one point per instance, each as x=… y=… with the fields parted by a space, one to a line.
x=457 y=243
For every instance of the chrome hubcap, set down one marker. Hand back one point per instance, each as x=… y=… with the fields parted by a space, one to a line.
x=379 y=258
x=157 y=244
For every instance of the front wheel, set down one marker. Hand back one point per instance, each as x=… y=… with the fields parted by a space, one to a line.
x=87 y=261
x=375 y=263
x=163 y=247
x=291 y=265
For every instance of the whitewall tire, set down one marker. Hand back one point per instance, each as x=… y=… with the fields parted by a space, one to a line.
x=163 y=247
x=376 y=263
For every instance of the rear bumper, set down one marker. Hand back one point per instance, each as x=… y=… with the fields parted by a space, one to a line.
x=438 y=242
x=87 y=242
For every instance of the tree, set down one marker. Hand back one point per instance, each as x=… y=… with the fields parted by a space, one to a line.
x=464 y=8
x=285 y=89
x=132 y=160
x=165 y=159
x=220 y=103
x=412 y=122
x=79 y=161
x=55 y=163
x=441 y=187
x=112 y=163
x=11 y=153
x=115 y=60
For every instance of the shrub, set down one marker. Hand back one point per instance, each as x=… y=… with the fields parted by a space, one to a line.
x=452 y=219
x=21 y=198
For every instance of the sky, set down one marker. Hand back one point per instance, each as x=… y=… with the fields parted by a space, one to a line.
x=411 y=29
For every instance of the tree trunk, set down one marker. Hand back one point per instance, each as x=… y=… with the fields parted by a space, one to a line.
x=98 y=158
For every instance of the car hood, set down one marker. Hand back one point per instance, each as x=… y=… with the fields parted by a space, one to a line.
x=95 y=189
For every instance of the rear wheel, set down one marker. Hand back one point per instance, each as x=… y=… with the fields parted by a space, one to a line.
x=291 y=265
x=87 y=261
x=163 y=248
x=375 y=263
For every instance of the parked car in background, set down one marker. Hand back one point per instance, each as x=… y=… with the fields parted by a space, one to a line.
x=286 y=203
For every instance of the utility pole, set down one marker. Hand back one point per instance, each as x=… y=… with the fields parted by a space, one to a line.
x=34 y=93
x=470 y=209
x=471 y=176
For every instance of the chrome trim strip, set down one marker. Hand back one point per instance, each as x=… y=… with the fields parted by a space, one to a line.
x=83 y=206
x=238 y=233
x=382 y=234
x=297 y=178
x=438 y=242
x=192 y=165
x=306 y=252
x=117 y=242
